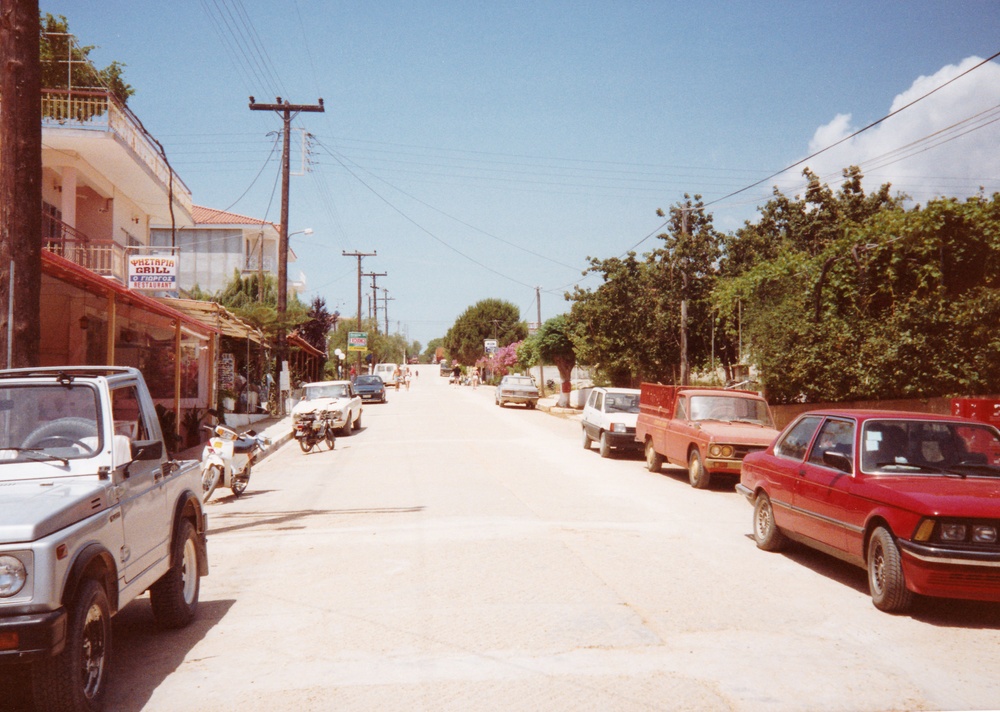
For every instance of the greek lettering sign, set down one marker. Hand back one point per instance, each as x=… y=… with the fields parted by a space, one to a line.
x=357 y=341
x=490 y=346
x=152 y=272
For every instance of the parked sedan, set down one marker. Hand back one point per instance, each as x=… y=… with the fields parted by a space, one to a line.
x=913 y=498
x=370 y=388
x=517 y=389
x=336 y=398
x=609 y=419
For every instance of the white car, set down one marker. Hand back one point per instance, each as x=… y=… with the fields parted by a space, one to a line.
x=387 y=372
x=334 y=397
x=609 y=419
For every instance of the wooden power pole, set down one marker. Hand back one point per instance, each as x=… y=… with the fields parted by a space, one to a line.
x=287 y=111
x=20 y=184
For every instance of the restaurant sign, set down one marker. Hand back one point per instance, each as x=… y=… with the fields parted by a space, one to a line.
x=152 y=273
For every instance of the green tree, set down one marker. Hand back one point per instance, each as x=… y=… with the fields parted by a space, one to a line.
x=487 y=319
x=555 y=346
x=431 y=349
x=65 y=64
x=624 y=329
x=687 y=275
x=318 y=324
x=890 y=303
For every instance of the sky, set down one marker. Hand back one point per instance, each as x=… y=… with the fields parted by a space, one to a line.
x=487 y=150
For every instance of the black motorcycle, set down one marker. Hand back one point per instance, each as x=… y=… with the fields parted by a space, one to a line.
x=313 y=428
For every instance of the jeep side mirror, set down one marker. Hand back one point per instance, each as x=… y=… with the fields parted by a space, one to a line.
x=147 y=449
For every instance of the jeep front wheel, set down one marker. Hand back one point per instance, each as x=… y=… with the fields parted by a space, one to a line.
x=76 y=678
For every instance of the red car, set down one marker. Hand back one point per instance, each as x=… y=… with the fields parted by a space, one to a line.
x=914 y=498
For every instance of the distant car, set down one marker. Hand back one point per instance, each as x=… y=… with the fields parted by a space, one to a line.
x=911 y=497
x=609 y=419
x=386 y=371
x=517 y=389
x=337 y=398
x=445 y=369
x=370 y=388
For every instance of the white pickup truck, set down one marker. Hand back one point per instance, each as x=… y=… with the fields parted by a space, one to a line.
x=92 y=514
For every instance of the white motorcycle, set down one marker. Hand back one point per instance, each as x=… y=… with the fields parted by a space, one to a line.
x=227 y=458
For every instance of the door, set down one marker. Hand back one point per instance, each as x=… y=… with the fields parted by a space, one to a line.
x=786 y=468
x=145 y=514
x=821 y=490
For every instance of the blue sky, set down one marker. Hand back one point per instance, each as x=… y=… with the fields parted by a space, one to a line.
x=484 y=149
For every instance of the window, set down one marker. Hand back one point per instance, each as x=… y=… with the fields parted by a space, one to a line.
x=797 y=440
x=126 y=410
x=836 y=436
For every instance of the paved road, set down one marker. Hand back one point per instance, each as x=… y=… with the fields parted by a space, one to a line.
x=452 y=555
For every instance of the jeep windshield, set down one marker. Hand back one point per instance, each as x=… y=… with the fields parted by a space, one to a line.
x=338 y=390
x=731 y=409
x=56 y=423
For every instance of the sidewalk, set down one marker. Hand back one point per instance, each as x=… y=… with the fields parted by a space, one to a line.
x=279 y=430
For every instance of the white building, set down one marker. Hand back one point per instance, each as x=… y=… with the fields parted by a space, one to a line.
x=220 y=244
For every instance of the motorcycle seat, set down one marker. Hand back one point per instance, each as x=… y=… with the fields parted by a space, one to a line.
x=244 y=444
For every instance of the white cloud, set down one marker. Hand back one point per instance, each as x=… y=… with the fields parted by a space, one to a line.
x=911 y=150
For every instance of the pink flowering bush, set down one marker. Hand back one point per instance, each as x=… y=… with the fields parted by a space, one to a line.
x=501 y=363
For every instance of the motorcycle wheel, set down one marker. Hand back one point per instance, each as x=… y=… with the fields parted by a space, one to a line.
x=305 y=444
x=241 y=481
x=330 y=438
x=210 y=480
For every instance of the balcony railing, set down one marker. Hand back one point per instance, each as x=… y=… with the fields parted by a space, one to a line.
x=103 y=257
x=101 y=111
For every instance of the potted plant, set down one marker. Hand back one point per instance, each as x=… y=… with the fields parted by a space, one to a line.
x=191 y=422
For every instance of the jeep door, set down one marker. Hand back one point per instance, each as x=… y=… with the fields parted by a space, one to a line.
x=143 y=501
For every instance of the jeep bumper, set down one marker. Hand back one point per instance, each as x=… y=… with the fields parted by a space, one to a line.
x=32 y=636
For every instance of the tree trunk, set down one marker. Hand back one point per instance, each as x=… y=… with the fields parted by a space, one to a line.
x=565 y=374
x=20 y=183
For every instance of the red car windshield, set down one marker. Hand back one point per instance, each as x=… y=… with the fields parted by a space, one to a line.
x=929 y=446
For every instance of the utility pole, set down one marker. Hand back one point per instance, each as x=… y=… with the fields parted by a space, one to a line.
x=541 y=369
x=359 y=255
x=375 y=276
x=20 y=185
x=287 y=111
x=386 y=298
x=685 y=369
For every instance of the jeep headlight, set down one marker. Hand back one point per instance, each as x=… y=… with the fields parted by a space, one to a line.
x=618 y=427
x=13 y=575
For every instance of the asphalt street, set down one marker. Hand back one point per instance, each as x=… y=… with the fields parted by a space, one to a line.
x=453 y=555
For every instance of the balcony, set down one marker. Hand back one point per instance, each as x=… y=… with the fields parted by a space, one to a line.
x=109 y=137
x=103 y=257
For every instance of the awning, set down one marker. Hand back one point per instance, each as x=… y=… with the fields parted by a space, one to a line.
x=216 y=316
x=72 y=273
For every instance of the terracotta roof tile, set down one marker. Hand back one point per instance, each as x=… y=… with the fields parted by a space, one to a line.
x=211 y=216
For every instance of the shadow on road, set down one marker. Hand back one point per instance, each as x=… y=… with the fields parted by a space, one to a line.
x=142 y=657
x=941 y=612
x=287 y=520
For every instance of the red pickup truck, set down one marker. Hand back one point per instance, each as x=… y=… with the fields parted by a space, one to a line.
x=706 y=430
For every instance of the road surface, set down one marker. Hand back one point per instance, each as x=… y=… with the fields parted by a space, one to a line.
x=453 y=555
